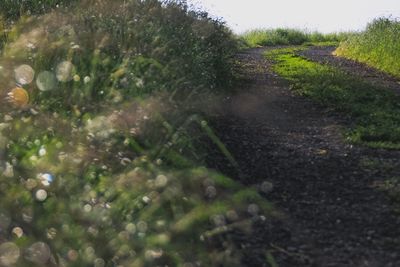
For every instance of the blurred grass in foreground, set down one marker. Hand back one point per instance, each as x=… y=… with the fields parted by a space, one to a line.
x=102 y=139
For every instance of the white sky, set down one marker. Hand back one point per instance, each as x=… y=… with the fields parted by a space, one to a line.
x=324 y=16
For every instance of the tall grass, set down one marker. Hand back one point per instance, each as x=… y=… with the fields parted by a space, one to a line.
x=287 y=36
x=377 y=46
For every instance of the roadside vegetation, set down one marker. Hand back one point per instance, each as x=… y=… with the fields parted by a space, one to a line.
x=378 y=46
x=287 y=36
x=102 y=146
x=374 y=111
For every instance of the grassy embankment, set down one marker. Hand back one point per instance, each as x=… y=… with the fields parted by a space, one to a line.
x=285 y=36
x=378 y=46
x=374 y=111
x=101 y=146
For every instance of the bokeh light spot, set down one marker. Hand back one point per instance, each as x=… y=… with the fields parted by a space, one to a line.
x=64 y=71
x=38 y=253
x=9 y=254
x=24 y=74
x=41 y=195
x=18 y=96
x=46 y=81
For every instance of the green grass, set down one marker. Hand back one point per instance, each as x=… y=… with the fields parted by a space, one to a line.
x=287 y=36
x=374 y=111
x=378 y=46
x=13 y=9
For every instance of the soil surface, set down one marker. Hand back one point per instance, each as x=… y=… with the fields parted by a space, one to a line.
x=337 y=213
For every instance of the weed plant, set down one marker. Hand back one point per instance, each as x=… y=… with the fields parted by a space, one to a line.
x=374 y=111
x=378 y=46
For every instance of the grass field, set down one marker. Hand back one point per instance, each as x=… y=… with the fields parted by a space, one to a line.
x=374 y=111
x=378 y=46
x=287 y=36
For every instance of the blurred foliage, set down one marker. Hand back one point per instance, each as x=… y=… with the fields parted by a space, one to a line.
x=126 y=48
x=14 y=9
x=374 y=110
x=378 y=46
x=102 y=167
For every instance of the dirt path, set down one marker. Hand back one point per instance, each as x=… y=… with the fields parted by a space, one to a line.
x=336 y=214
x=323 y=54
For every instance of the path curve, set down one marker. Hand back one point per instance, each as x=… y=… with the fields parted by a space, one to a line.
x=324 y=55
x=336 y=214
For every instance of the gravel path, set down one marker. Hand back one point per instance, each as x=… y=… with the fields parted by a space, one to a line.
x=336 y=213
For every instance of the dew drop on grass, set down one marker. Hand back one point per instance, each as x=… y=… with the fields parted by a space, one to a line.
x=232 y=215
x=125 y=161
x=51 y=233
x=253 y=209
x=86 y=80
x=64 y=71
x=87 y=208
x=211 y=192
x=38 y=253
x=18 y=96
x=99 y=262
x=41 y=195
x=146 y=199
x=90 y=252
x=218 y=220
x=142 y=227
x=267 y=187
x=161 y=181
x=131 y=228
x=42 y=152
x=72 y=255
x=45 y=178
x=24 y=74
x=46 y=81
x=9 y=254
x=18 y=231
